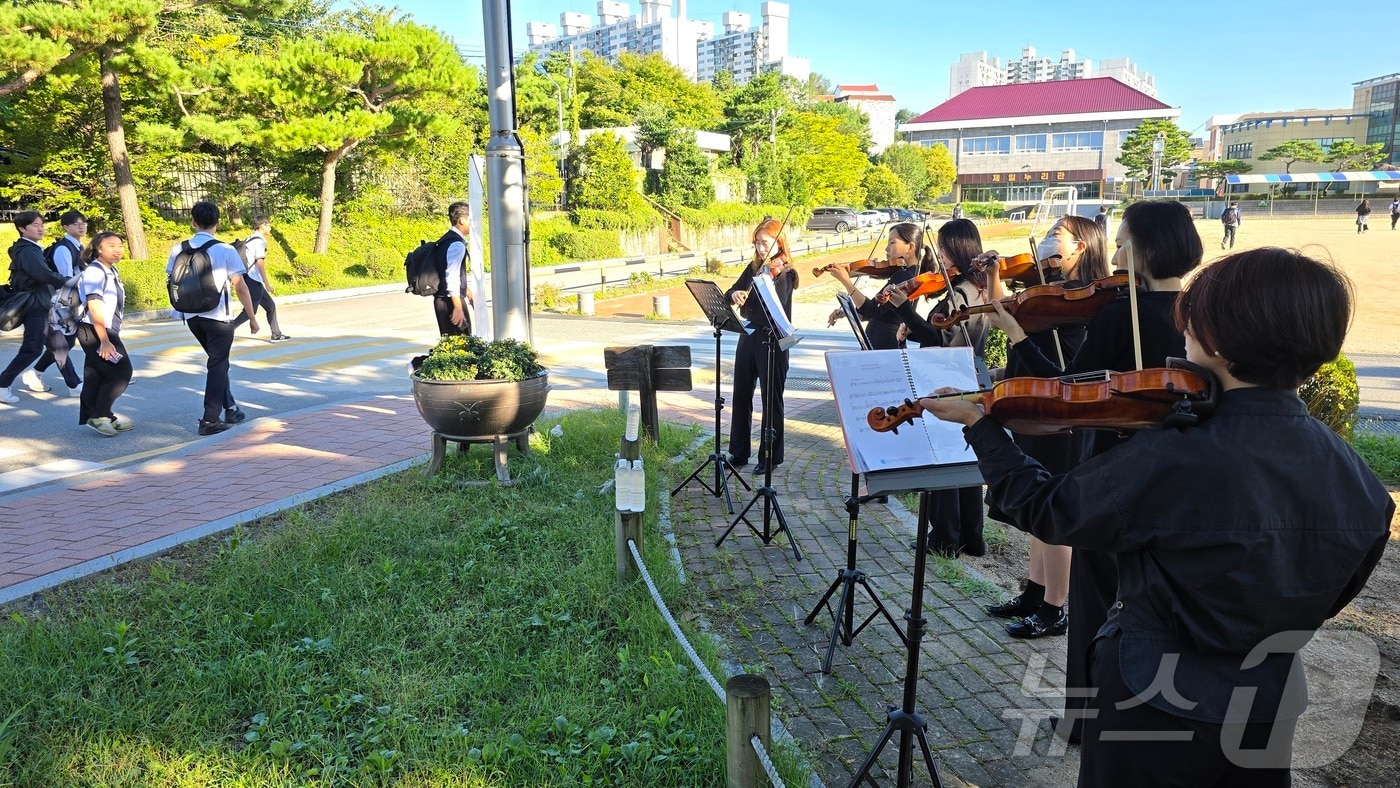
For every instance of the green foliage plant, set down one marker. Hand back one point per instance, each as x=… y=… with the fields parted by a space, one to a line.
x=685 y=177
x=473 y=358
x=606 y=179
x=986 y=210
x=1333 y=396
x=996 y=349
x=588 y=244
x=1381 y=453
x=1136 y=155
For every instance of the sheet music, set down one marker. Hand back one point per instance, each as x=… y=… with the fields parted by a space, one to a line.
x=777 y=316
x=866 y=379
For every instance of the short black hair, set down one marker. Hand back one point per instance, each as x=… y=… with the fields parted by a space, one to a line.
x=961 y=241
x=205 y=215
x=456 y=211
x=1275 y=315
x=25 y=218
x=70 y=217
x=260 y=220
x=1164 y=237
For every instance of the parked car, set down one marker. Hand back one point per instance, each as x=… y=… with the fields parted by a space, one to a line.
x=891 y=214
x=832 y=218
x=872 y=218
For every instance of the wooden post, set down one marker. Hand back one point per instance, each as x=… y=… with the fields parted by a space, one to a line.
x=650 y=418
x=748 y=704
x=627 y=525
x=648 y=369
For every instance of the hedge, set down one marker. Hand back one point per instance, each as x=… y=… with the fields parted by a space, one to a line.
x=1333 y=396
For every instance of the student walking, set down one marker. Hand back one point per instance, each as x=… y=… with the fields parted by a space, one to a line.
x=259 y=283
x=1230 y=218
x=213 y=328
x=106 y=365
x=451 y=259
x=63 y=257
x=1363 y=212
x=29 y=272
x=1394 y=212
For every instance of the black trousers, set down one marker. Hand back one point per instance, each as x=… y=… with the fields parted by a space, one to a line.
x=103 y=381
x=882 y=335
x=956 y=524
x=1093 y=587
x=442 y=310
x=1394 y=217
x=1163 y=749
x=257 y=291
x=216 y=337
x=1229 y=235
x=31 y=347
x=751 y=366
x=57 y=353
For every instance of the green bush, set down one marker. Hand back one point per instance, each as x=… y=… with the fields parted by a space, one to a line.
x=316 y=270
x=1333 y=396
x=144 y=281
x=548 y=295
x=743 y=214
x=640 y=218
x=996 y=349
x=588 y=244
x=986 y=210
x=465 y=357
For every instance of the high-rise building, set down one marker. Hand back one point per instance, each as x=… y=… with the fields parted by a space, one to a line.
x=975 y=69
x=693 y=46
x=1379 y=100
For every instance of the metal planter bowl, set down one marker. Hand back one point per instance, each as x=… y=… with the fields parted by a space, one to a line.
x=480 y=408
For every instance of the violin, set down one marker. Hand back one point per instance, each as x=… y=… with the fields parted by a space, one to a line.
x=1177 y=395
x=921 y=285
x=1019 y=268
x=876 y=269
x=1044 y=307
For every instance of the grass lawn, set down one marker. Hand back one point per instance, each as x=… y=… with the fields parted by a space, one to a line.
x=412 y=631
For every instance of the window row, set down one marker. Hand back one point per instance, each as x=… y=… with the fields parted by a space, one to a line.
x=1031 y=143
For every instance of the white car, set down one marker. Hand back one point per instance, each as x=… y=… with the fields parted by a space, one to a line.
x=871 y=218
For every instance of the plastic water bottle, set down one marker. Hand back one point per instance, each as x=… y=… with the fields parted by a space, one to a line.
x=622 y=481
x=634 y=417
x=639 y=487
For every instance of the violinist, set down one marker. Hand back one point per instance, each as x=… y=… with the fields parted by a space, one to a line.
x=770 y=258
x=1079 y=247
x=905 y=250
x=956 y=524
x=1234 y=538
x=1165 y=247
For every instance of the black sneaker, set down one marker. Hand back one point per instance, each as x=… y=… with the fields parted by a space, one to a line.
x=213 y=427
x=1033 y=626
x=234 y=415
x=1015 y=608
x=280 y=337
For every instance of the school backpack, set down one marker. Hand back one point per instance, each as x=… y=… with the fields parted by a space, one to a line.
x=1230 y=216
x=53 y=247
x=241 y=246
x=420 y=267
x=191 y=280
x=67 y=308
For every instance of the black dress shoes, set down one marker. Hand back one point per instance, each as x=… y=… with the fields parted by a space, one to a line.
x=213 y=427
x=1015 y=608
x=1033 y=626
x=234 y=415
x=737 y=462
x=762 y=467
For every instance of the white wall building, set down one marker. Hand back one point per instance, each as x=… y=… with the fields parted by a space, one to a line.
x=878 y=107
x=694 y=46
x=975 y=69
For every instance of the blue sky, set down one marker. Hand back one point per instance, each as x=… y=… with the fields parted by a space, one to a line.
x=1212 y=57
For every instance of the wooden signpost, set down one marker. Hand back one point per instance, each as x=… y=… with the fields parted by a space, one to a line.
x=648 y=369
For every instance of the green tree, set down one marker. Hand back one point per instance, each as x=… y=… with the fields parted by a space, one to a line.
x=1294 y=151
x=831 y=163
x=612 y=95
x=883 y=187
x=655 y=130
x=852 y=121
x=374 y=76
x=942 y=173
x=1349 y=155
x=1214 y=171
x=604 y=177
x=543 y=181
x=1136 y=156
x=927 y=173
x=685 y=177
x=752 y=113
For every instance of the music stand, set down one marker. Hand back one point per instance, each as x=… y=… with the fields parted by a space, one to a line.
x=766 y=492
x=722 y=318
x=848 y=308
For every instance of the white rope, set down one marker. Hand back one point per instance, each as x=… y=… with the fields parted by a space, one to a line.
x=768 y=766
x=675 y=627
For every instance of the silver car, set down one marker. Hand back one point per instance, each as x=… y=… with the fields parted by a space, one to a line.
x=831 y=218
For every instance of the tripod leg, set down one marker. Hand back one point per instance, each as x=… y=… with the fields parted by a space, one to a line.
x=863 y=773
x=783 y=528
x=922 y=733
x=740 y=518
x=845 y=607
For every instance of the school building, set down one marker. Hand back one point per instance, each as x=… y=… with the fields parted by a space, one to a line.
x=1011 y=142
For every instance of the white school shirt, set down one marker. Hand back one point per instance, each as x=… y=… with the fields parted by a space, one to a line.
x=63 y=259
x=226 y=263
x=456 y=253
x=255 y=248
x=100 y=281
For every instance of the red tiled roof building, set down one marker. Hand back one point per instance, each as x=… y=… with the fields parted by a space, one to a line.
x=1010 y=142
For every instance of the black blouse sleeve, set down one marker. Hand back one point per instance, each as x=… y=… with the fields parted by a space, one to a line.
x=920 y=330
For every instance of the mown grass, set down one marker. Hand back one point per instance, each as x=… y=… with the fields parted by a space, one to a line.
x=1382 y=454
x=412 y=631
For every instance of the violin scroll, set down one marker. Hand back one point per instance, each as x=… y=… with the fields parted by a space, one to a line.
x=891 y=418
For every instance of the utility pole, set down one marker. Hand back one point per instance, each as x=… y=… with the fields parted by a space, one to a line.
x=505 y=183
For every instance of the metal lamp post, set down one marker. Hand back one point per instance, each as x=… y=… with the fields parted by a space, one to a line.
x=1159 y=146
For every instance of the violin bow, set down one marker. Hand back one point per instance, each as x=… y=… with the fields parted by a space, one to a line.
x=1035 y=258
x=1133 y=304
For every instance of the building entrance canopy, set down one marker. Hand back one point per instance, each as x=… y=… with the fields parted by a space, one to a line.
x=1317 y=177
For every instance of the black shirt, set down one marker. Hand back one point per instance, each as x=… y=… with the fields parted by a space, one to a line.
x=1256 y=522
x=921 y=330
x=784 y=283
x=878 y=312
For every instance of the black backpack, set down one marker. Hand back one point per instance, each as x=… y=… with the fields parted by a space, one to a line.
x=241 y=246
x=191 y=280
x=420 y=268
x=53 y=247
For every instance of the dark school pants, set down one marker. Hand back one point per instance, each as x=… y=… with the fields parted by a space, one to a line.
x=216 y=337
x=257 y=292
x=57 y=353
x=31 y=347
x=1146 y=747
x=442 y=311
x=1229 y=235
x=103 y=381
x=1093 y=587
x=750 y=367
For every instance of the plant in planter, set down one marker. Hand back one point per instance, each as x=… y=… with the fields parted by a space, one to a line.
x=467 y=387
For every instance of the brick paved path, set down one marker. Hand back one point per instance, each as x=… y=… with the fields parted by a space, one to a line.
x=972 y=674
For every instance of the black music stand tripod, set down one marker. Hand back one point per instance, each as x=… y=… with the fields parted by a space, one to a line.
x=711 y=300
x=843 y=618
x=766 y=492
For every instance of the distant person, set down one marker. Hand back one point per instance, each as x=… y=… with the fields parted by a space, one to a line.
x=30 y=272
x=213 y=329
x=1394 y=212
x=106 y=365
x=259 y=283
x=1363 y=213
x=1230 y=218
x=63 y=257
x=1101 y=219
x=454 y=293
x=958 y=211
